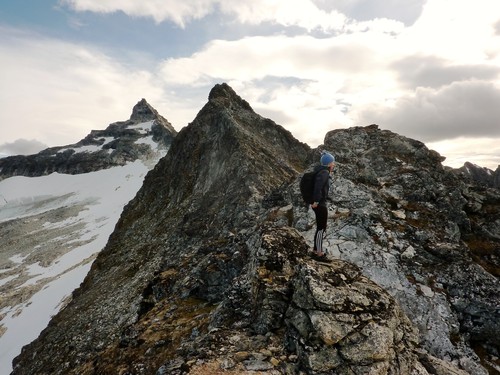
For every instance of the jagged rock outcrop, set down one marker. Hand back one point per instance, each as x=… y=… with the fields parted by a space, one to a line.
x=426 y=236
x=207 y=269
x=119 y=143
x=481 y=175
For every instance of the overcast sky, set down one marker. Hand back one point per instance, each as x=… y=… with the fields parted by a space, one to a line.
x=428 y=70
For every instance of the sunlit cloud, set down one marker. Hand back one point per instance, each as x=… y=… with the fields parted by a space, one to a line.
x=484 y=152
x=178 y=12
x=418 y=71
x=303 y=13
x=467 y=108
x=57 y=90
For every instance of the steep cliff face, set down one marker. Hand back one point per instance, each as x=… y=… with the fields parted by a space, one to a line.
x=208 y=268
x=119 y=143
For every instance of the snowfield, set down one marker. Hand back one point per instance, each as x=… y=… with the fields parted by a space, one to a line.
x=51 y=229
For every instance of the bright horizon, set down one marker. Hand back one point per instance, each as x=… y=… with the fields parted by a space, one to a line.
x=428 y=70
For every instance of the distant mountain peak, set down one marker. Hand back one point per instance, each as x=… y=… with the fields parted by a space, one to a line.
x=146 y=136
x=481 y=175
x=143 y=111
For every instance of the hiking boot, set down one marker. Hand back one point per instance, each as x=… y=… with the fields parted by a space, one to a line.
x=320 y=258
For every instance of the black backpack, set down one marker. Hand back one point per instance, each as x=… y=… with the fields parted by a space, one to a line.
x=307 y=186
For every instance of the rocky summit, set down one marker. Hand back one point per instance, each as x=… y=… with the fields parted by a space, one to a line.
x=483 y=176
x=119 y=143
x=208 y=269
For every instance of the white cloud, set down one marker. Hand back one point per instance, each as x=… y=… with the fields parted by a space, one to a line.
x=303 y=107
x=480 y=151
x=176 y=11
x=459 y=31
x=60 y=91
x=306 y=14
x=431 y=71
x=302 y=13
x=317 y=79
x=363 y=10
x=337 y=60
x=467 y=108
x=22 y=147
x=429 y=79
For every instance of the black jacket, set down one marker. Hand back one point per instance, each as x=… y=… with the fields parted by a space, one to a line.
x=321 y=185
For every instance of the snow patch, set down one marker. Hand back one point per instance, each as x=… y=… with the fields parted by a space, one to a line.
x=143 y=127
x=102 y=194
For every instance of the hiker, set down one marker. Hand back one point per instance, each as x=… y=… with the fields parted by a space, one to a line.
x=320 y=194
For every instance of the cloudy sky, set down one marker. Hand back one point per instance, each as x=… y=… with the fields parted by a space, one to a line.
x=429 y=70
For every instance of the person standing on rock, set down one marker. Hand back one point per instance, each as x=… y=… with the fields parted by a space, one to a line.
x=320 y=195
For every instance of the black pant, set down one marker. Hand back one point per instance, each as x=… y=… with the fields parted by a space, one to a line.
x=321 y=213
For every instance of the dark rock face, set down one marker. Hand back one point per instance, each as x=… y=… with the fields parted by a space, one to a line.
x=206 y=190
x=480 y=175
x=428 y=237
x=207 y=269
x=119 y=143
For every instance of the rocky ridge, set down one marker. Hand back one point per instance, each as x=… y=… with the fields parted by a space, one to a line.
x=207 y=269
x=121 y=142
x=481 y=175
x=428 y=237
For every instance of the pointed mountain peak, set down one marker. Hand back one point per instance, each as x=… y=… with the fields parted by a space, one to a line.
x=143 y=111
x=481 y=175
x=146 y=136
x=226 y=95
